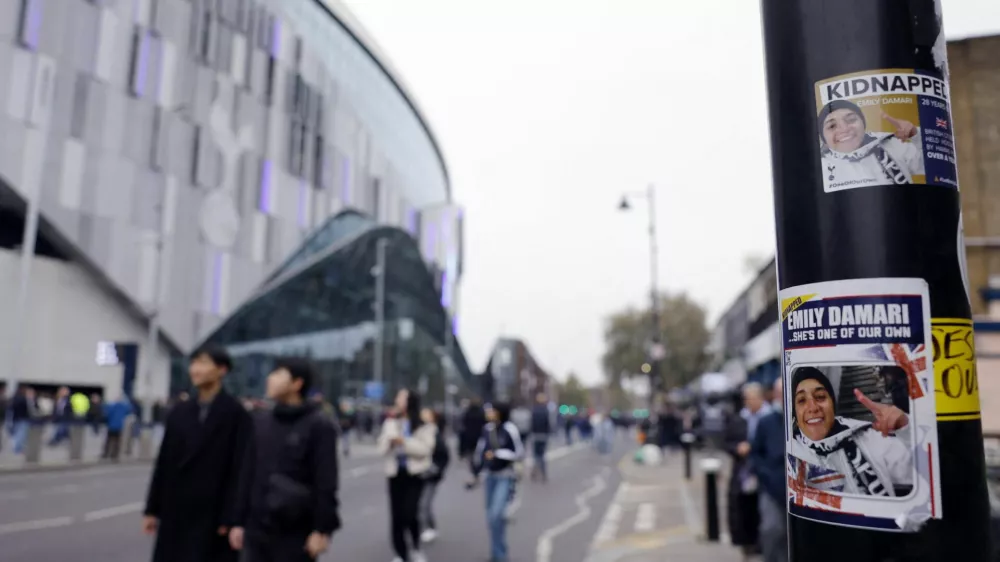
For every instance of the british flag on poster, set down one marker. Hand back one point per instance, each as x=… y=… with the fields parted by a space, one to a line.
x=943 y=123
x=861 y=438
x=813 y=486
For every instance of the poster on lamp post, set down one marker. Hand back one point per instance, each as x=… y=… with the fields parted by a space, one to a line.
x=862 y=447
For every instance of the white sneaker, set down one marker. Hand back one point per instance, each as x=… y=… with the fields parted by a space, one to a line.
x=417 y=556
x=429 y=535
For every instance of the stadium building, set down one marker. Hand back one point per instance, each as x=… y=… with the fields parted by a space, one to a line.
x=175 y=172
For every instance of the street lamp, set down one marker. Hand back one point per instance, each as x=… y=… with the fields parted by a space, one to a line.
x=655 y=351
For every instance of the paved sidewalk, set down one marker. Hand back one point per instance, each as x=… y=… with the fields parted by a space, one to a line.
x=657 y=516
x=57 y=458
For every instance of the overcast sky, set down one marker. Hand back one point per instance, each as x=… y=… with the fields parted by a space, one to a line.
x=548 y=110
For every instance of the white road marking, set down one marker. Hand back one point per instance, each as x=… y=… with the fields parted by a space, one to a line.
x=609 y=526
x=64 y=489
x=612 y=518
x=690 y=511
x=362 y=470
x=645 y=518
x=36 y=525
x=16 y=495
x=543 y=553
x=113 y=511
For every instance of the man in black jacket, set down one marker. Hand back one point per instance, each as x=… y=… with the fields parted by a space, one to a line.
x=541 y=428
x=288 y=489
x=473 y=421
x=192 y=494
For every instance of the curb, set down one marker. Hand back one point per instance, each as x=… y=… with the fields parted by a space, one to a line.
x=67 y=466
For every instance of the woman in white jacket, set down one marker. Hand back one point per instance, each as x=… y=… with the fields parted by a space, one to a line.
x=854 y=157
x=845 y=455
x=407 y=443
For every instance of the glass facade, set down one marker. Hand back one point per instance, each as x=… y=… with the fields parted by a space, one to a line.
x=322 y=307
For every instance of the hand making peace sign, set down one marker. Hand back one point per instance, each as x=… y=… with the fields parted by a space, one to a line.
x=904 y=129
x=887 y=418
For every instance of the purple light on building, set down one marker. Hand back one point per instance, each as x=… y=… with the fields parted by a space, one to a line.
x=266 y=182
x=411 y=221
x=454 y=324
x=275 y=37
x=156 y=64
x=217 y=265
x=345 y=182
x=32 y=23
x=141 y=65
x=431 y=242
x=445 y=293
x=303 y=204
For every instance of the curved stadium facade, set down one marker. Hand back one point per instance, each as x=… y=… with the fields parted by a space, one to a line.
x=231 y=164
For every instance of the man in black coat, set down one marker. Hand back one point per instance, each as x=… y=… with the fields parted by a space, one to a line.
x=473 y=422
x=287 y=507
x=192 y=496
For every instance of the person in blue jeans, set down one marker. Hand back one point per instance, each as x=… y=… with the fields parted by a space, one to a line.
x=23 y=409
x=497 y=454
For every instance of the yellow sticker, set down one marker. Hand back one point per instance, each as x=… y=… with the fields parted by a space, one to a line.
x=789 y=305
x=956 y=383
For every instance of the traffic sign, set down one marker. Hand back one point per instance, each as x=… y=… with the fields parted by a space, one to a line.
x=374 y=390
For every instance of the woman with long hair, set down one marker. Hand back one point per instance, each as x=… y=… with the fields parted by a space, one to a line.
x=497 y=453
x=408 y=444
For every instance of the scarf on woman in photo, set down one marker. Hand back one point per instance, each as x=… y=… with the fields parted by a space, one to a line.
x=842 y=438
x=872 y=146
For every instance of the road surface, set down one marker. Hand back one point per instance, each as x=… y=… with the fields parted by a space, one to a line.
x=94 y=513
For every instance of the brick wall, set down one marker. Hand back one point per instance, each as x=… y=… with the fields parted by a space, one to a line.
x=975 y=83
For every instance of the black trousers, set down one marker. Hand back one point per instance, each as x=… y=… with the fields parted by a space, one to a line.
x=276 y=549
x=404 y=501
x=112 y=445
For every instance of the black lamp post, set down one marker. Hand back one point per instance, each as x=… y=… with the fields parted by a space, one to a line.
x=655 y=351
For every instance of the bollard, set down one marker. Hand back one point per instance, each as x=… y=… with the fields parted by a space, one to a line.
x=76 y=436
x=868 y=221
x=687 y=441
x=33 y=444
x=711 y=468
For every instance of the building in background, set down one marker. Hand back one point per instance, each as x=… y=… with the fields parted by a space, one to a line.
x=975 y=101
x=513 y=375
x=189 y=157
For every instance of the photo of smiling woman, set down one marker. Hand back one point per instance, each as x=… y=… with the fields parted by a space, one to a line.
x=845 y=455
x=853 y=156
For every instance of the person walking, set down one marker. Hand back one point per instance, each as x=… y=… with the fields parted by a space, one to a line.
x=116 y=412
x=497 y=452
x=767 y=457
x=286 y=509
x=408 y=445
x=432 y=479
x=541 y=429
x=473 y=422
x=23 y=410
x=62 y=415
x=192 y=495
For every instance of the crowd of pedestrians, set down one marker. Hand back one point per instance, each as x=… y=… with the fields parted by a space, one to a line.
x=64 y=408
x=257 y=481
